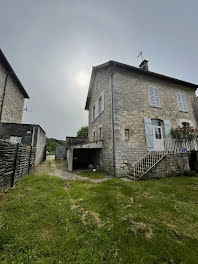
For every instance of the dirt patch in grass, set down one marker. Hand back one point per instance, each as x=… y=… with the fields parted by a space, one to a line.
x=98 y=174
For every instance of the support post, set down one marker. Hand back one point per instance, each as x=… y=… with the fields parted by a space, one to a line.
x=15 y=163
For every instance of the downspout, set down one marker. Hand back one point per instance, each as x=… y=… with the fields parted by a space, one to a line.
x=112 y=118
x=3 y=97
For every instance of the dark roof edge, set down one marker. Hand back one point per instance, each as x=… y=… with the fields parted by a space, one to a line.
x=11 y=71
x=149 y=73
x=109 y=63
x=23 y=124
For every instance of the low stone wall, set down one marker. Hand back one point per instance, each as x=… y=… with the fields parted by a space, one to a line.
x=170 y=165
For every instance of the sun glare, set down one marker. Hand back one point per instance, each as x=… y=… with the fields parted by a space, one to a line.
x=82 y=78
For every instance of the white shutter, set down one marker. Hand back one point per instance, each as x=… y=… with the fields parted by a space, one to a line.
x=157 y=97
x=149 y=133
x=167 y=128
x=185 y=109
x=151 y=95
x=179 y=100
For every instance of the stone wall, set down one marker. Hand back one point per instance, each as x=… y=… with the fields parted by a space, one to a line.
x=40 y=146
x=131 y=105
x=13 y=101
x=102 y=84
x=170 y=165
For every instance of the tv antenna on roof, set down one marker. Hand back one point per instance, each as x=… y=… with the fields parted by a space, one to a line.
x=27 y=110
x=140 y=55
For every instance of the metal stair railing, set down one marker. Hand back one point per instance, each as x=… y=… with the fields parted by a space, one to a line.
x=148 y=161
x=151 y=158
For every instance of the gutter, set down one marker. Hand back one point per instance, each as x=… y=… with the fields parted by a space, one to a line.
x=112 y=118
x=3 y=98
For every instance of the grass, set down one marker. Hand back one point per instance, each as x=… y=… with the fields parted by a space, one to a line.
x=98 y=174
x=50 y=220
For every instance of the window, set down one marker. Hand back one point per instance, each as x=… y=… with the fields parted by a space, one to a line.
x=100 y=104
x=181 y=99
x=94 y=136
x=185 y=125
x=154 y=96
x=126 y=134
x=100 y=133
x=94 y=112
x=28 y=140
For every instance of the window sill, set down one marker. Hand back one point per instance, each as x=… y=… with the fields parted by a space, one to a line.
x=159 y=107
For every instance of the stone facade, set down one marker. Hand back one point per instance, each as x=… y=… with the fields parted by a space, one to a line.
x=128 y=86
x=12 y=94
x=131 y=105
x=104 y=120
x=170 y=165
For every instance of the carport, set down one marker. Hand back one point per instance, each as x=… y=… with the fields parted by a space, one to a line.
x=80 y=156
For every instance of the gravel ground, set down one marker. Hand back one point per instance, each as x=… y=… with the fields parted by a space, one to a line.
x=59 y=168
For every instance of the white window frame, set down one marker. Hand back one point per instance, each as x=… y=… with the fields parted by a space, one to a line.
x=181 y=100
x=154 y=96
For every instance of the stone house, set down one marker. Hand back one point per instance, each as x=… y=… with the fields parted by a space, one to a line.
x=12 y=93
x=132 y=111
x=12 y=97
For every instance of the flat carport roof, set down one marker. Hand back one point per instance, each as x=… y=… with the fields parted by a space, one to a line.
x=88 y=146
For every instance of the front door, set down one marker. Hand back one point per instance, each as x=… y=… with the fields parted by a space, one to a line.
x=158 y=135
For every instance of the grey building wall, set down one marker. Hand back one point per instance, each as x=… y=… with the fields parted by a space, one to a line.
x=30 y=134
x=131 y=105
x=102 y=84
x=13 y=102
x=40 y=145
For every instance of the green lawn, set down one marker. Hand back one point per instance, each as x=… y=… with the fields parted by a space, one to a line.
x=49 y=220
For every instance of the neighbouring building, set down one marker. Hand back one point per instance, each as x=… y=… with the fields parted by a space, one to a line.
x=26 y=134
x=131 y=113
x=12 y=93
x=12 y=97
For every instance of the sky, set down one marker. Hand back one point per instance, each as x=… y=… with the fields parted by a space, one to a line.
x=53 y=44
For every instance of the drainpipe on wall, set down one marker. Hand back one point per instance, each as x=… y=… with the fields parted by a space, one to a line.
x=4 y=91
x=112 y=117
x=33 y=133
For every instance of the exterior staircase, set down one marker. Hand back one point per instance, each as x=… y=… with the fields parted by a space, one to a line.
x=151 y=158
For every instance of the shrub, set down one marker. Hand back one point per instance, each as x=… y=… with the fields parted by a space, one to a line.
x=190 y=173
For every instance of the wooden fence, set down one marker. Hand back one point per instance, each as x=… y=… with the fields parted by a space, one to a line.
x=16 y=161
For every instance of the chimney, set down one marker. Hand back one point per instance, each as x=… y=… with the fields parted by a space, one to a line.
x=144 y=65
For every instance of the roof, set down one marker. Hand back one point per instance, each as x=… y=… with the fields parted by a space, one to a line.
x=8 y=67
x=141 y=71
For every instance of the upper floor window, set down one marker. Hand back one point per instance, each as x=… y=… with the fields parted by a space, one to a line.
x=154 y=96
x=181 y=99
x=100 y=104
x=94 y=112
x=98 y=107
